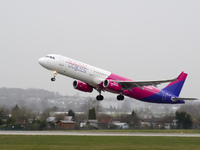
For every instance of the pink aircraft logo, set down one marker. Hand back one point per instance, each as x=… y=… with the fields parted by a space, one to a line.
x=77 y=66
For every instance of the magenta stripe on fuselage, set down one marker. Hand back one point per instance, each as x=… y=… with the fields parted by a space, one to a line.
x=118 y=78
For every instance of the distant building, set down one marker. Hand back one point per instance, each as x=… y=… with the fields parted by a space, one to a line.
x=90 y=124
x=104 y=123
x=119 y=125
x=93 y=123
x=51 y=119
x=65 y=125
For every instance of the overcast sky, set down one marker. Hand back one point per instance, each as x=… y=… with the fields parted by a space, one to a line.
x=141 y=40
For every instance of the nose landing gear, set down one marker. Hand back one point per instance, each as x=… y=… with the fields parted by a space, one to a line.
x=54 y=76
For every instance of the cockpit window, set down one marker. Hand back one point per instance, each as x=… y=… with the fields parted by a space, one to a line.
x=50 y=57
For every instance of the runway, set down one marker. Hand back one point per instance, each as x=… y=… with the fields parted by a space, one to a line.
x=90 y=133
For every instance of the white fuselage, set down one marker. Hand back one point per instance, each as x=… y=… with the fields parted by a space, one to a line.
x=74 y=69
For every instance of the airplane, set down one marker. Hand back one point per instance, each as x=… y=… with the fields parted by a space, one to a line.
x=88 y=77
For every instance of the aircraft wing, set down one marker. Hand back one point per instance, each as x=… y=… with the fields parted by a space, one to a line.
x=130 y=84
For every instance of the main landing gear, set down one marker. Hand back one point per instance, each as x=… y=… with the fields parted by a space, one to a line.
x=120 y=97
x=99 y=97
x=54 y=76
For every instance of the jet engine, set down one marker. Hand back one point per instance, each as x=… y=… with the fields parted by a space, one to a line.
x=111 y=85
x=81 y=86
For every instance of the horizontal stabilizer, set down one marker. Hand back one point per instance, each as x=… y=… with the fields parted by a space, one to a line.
x=181 y=98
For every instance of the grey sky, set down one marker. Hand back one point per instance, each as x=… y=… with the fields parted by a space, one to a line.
x=141 y=40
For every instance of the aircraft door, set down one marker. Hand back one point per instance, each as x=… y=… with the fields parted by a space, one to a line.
x=61 y=63
x=91 y=72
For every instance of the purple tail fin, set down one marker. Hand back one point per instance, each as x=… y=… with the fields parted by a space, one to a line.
x=175 y=87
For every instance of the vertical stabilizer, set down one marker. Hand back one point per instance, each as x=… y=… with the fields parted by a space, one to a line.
x=175 y=87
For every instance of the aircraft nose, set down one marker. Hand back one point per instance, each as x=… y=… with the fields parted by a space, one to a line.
x=41 y=61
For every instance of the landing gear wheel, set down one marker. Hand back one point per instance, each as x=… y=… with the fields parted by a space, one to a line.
x=99 y=97
x=53 y=79
x=54 y=76
x=120 y=97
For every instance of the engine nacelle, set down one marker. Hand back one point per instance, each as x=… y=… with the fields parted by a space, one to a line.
x=111 y=85
x=81 y=86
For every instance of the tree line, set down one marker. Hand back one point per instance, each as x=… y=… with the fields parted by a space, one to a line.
x=22 y=118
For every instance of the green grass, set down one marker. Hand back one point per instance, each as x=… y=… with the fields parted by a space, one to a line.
x=42 y=142
x=143 y=131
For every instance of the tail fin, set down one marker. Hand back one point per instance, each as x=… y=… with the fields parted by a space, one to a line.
x=175 y=87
